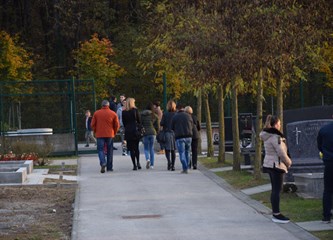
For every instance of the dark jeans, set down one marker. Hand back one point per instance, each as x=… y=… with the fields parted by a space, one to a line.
x=133 y=147
x=328 y=191
x=276 y=177
x=109 y=155
x=194 y=147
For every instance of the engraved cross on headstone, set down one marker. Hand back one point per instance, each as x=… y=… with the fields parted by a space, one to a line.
x=297 y=133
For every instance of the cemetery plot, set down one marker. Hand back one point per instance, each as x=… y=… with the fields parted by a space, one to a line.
x=36 y=212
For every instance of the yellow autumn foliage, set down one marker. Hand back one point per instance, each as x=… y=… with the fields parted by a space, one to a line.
x=94 y=61
x=15 y=62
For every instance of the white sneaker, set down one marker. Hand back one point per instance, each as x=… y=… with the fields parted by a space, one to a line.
x=151 y=167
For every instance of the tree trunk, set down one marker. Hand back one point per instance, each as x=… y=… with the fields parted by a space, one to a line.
x=221 y=157
x=258 y=145
x=210 y=147
x=235 y=128
x=279 y=100
x=199 y=116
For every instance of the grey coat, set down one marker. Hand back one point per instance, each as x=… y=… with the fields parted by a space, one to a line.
x=170 y=142
x=276 y=155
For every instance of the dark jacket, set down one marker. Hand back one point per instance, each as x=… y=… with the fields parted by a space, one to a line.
x=113 y=106
x=325 y=143
x=196 y=127
x=182 y=125
x=88 y=127
x=150 y=122
x=170 y=143
x=166 y=120
x=130 y=120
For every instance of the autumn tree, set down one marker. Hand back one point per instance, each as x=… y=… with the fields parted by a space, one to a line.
x=321 y=59
x=158 y=53
x=15 y=64
x=94 y=60
x=280 y=33
x=15 y=61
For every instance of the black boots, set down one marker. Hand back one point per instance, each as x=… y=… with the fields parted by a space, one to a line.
x=136 y=166
x=173 y=165
x=139 y=166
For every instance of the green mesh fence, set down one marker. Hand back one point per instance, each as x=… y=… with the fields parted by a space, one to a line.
x=56 y=104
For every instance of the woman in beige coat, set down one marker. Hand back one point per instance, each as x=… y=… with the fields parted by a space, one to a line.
x=276 y=162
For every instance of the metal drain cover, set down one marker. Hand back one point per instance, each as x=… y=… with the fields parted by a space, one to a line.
x=142 y=216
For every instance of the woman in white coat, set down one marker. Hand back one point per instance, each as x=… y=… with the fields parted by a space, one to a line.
x=276 y=162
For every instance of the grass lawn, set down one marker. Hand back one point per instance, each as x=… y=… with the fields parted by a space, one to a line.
x=242 y=179
x=323 y=235
x=211 y=162
x=296 y=208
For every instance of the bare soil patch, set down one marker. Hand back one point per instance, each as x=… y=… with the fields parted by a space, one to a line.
x=36 y=212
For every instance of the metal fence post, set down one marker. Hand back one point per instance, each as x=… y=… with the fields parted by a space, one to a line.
x=74 y=116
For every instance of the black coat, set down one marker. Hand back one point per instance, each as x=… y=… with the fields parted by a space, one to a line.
x=170 y=142
x=130 y=120
x=113 y=106
x=196 y=127
x=325 y=143
x=166 y=120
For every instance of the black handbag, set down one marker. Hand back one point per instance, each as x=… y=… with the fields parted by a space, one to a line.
x=140 y=130
x=160 y=137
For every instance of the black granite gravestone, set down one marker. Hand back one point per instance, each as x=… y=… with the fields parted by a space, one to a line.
x=246 y=136
x=302 y=146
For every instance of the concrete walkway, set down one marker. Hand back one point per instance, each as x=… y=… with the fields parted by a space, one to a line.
x=159 y=204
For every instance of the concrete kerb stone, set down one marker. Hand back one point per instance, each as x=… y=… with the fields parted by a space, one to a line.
x=316 y=226
x=258 y=189
x=65 y=161
x=29 y=164
x=13 y=175
x=50 y=185
x=291 y=227
x=76 y=204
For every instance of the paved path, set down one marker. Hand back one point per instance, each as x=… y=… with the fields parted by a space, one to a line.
x=158 y=204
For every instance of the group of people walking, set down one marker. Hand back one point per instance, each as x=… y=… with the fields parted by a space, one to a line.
x=180 y=129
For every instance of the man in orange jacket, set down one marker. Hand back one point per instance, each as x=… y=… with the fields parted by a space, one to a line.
x=105 y=124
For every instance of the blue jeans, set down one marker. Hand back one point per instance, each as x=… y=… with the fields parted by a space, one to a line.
x=109 y=155
x=184 y=148
x=148 y=143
